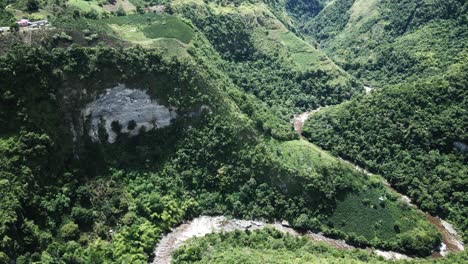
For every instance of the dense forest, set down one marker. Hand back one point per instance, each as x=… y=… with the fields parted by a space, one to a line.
x=414 y=142
x=231 y=74
x=413 y=131
x=272 y=246
x=214 y=168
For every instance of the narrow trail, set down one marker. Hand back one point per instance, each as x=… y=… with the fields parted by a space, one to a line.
x=451 y=241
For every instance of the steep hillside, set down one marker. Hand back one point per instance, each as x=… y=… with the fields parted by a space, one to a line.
x=266 y=59
x=412 y=132
x=272 y=246
x=130 y=178
x=383 y=42
x=115 y=127
x=206 y=157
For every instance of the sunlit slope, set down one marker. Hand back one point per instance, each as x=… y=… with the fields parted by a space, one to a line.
x=386 y=41
x=267 y=59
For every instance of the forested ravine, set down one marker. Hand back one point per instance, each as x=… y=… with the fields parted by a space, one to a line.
x=450 y=239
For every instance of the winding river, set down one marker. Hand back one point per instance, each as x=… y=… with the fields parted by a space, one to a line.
x=205 y=225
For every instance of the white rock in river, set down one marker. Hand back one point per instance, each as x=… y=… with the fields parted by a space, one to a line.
x=124 y=105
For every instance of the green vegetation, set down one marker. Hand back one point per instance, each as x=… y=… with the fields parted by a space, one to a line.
x=147 y=27
x=86 y=6
x=236 y=72
x=140 y=186
x=369 y=204
x=385 y=218
x=272 y=246
x=383 y=42
x=267 y=60
x=405 y=131
x=264 y=246
x=6 y=17
x=403 y=134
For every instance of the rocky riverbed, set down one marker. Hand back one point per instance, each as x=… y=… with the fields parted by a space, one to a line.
x=205 y=225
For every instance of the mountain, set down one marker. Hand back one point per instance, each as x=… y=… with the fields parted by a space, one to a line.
x=118 y=123
x=411 y=129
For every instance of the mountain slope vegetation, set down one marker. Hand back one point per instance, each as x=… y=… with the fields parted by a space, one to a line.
x=230 y=75
x=203 y=164
x=383 y=42
x=412 y=128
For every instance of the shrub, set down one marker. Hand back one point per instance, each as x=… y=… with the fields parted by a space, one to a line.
x=69 y=231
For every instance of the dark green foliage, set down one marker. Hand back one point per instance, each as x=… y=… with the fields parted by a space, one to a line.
x=330 y=21
x=407 y=133
x=304 y=9
x=411 y=14
x=32 y=5
x=5 y=17
x=230 y=34
x=286 y=89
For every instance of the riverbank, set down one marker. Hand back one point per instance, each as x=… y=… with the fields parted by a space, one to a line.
x=204 y=225
x=451 y=241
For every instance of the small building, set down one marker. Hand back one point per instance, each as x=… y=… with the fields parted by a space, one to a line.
x=23 y=22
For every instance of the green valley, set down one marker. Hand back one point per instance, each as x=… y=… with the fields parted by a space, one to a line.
x=123 y=121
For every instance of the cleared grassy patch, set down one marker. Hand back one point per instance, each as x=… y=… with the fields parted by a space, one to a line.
x=129 y=32
x=126 y=5
x=169 y=27
x=302 y=154
x=362 y=9
x=152 y=26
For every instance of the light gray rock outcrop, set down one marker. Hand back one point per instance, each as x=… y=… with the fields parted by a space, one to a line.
x=126 y=106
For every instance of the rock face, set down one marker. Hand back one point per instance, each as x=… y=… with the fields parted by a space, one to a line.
x=133 y=109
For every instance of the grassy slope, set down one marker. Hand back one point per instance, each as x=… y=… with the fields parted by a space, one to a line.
x=86 y=6
x=370 y=210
